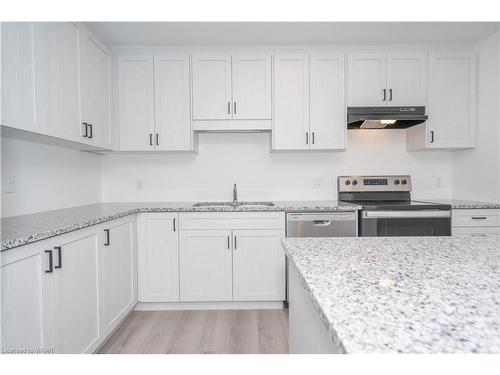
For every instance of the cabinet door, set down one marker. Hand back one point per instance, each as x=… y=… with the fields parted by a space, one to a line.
x=451 y=101
x=136 y=103
x=205 y=265
x=57 y=89
x=95 y=91
x=258 y=265
x=212 y=87
x=251 y=87
x=327 y=108
x=26 y=300
x=158 y=258
x=18 y=76
x=172 y=103
x=76 y=290
x=366 y=79
x=406 y=79
x=118 y=272
x=291 y=102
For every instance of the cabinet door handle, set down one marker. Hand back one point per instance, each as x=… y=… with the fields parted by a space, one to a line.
x=432 y=136
x=307 y=138
x=478 y=217
x=157 y=139
x=150 y=139
x=91 y=131
x=228 y=245
x=228 y=108
x=234 y=107
x=312 y=137
x=106 y=242
x=51 y=262
x=390 y=94
x=59 y=256
x=385 y=96
x=86 y=134
x=235 y=243
x=174 y=224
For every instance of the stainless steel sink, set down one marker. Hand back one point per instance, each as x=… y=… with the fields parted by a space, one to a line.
x=234 y=204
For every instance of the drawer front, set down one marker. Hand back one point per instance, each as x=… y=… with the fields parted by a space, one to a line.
x=476 y=218
x=231 y=220
x=476 y=231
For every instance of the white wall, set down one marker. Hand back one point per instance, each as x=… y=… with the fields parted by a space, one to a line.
x=476 y=172
x=47 y=177
x=245 y=159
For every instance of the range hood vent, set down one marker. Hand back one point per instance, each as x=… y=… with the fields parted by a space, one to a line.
x=384 y=117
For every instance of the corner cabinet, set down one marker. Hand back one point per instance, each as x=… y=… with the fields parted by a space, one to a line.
x=309 y=107
x=451 y=104
x=154 y=112
x=231 y=91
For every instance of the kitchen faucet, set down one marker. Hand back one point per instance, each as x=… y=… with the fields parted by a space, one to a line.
x=235 y=195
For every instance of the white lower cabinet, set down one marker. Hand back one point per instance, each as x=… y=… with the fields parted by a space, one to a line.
x=258 y=265
x=205 y=265
x=475 y=223
x=158 y=257
x=118 y=272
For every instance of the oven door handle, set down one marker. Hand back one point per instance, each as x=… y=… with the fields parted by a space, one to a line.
x=407 y=214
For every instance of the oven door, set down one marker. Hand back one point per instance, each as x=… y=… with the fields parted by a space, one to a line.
x=405 y=223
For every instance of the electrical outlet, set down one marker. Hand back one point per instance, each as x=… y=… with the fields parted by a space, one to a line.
x=317 y=183
x=11 y=186
x=139 y=185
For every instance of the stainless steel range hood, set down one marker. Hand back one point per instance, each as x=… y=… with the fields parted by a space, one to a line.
x=384 y=117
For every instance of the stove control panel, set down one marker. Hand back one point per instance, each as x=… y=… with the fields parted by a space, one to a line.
x=374 y=183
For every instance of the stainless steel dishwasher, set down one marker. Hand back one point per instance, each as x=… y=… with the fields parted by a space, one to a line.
x=322 y=224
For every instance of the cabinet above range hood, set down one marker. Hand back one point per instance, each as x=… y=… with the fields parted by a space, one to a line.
x=384 y=117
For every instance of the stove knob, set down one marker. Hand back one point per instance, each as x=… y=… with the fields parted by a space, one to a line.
x=354 y=182
x=404 y=182
x=396 y=182
x=348 y=182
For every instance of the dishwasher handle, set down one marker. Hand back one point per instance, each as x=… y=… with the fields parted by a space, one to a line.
x=321 y=223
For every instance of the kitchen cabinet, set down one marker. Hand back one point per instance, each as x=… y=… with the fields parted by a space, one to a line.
x=158 y=257
x=136 y=103
x=231 y=87
x=309 y=109
x=118 y=271
x=172 y=103
x=26 y=299
x=57 y=86
x=258 y=265
x=76 y=293
x=380 y=79
x=205 y=265
x=451 y=104
x=475 y=222
x=95 y=91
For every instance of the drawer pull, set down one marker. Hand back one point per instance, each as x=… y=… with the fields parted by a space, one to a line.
x=478 y=217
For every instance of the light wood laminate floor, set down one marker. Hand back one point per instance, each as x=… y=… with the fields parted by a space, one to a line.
x=198 y=332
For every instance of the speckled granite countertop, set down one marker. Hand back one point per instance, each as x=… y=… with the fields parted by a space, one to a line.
x=445 y=296
x=25 y=229
x=462 y=204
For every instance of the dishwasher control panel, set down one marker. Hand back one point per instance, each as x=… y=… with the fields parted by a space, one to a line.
x=322 y=224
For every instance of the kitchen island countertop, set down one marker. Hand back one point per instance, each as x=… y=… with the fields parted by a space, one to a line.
x=405 y=294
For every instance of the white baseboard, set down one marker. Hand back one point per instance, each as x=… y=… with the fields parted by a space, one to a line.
x=229 y=305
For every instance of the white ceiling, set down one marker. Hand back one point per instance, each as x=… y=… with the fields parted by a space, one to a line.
x=267 y=33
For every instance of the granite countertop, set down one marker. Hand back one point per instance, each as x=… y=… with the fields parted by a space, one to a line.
x=25 y=229
x=405 y=294
x=462 y=204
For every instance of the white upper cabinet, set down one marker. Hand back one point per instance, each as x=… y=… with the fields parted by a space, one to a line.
x=291 y=102
x=95 y=91
x=379 y=79
x=406 y=82
x=172 y=103
x=366 y=79
x=136 y=103
x=451 y=104
x=309 y=104
x=212 y=87
x=251 y=87
x=327 y=104
x=57 y=89
x=18 y=76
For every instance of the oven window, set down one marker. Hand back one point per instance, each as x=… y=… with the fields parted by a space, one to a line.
x=406 y=227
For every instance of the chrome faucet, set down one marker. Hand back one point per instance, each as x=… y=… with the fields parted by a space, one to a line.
x=235 y=194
